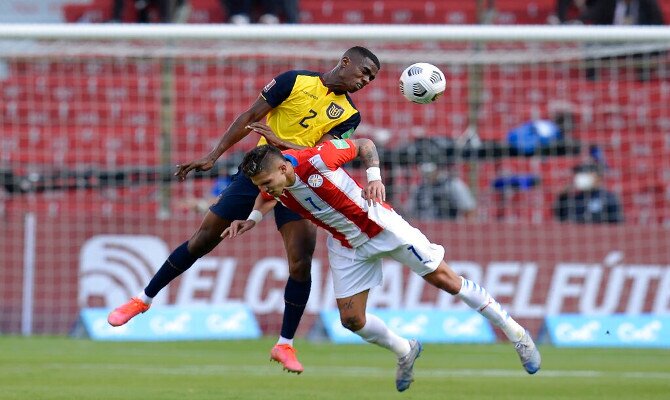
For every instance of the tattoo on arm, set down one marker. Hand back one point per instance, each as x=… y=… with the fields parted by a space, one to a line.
x=349 y=304
x=368 y=153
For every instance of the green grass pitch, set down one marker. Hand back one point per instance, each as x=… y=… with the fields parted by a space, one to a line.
x=64 y=368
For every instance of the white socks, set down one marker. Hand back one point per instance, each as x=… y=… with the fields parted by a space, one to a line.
x=479 y=299
x=145 y=299
x=283 y=340
x=375 y=331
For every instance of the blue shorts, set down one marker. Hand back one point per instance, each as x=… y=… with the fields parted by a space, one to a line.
x=237 y=201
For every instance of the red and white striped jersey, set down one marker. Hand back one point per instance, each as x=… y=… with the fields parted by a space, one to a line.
x=328 y=196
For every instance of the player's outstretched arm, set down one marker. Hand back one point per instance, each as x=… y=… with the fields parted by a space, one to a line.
x=235 y=132
x=237 y=228
x=262 y=206
x=367 y=152
x=374 y=191
x=272 y=138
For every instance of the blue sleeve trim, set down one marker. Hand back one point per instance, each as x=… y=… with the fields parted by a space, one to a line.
x=278 y=89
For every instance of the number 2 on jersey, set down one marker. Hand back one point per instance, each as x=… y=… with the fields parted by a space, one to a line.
x=311 y=115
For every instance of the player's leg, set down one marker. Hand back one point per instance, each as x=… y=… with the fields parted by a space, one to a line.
x=236 y=202
x=299 y=236
x=373 y=330
x=476 y=297
x=181 y=259
x=369 y=326
x=353 y=276
x=480 y=300
x=204 y=240
x=426 y=259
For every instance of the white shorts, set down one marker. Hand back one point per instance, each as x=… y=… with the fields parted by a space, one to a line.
x=359 y=269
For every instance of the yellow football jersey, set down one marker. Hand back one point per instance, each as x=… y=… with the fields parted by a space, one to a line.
x=304 y=109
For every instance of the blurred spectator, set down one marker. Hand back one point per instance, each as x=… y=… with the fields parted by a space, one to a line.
x=530 y=136
x=623 y=12
x=586 y=201
x=441 y=195
x=514 y=195
x=608 y=12
x=143 y=7
x=291 y=11
x=240 y=12
x=569 y=11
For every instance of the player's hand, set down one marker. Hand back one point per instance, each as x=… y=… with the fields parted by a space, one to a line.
x=374 y=193
x=203 y=164
x=269 y=135
x=237 y=228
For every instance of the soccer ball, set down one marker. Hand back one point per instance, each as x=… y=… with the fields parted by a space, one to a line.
x=422 y=83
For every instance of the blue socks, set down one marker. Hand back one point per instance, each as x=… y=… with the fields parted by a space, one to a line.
x=296 y=295
x=179 y=261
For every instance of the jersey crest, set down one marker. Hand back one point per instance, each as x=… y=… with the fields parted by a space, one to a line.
x=315 y=180
x=334 y=111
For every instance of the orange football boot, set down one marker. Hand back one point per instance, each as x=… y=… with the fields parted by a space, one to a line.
x=285 y=354
x=127 y=311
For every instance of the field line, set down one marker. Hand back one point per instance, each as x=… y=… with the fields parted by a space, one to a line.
x=354 y=371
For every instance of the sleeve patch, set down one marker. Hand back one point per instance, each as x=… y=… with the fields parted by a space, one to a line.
x=269 y=85
x=340 y=144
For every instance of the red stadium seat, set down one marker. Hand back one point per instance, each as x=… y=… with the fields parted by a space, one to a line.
x=387 y=12
x=533 y=12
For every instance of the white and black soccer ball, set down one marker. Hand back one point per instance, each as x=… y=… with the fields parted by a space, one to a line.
x=422 y=83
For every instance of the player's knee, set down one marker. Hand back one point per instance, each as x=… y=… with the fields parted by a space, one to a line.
x=299 y=269
x=202 y=242
x=353 y=322
x=198 y=248
x=208 y=235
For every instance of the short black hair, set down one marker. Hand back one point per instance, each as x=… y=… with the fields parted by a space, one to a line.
x=259 y=159
x=363 y=53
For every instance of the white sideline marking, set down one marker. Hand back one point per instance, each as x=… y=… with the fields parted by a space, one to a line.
x=258 y=370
